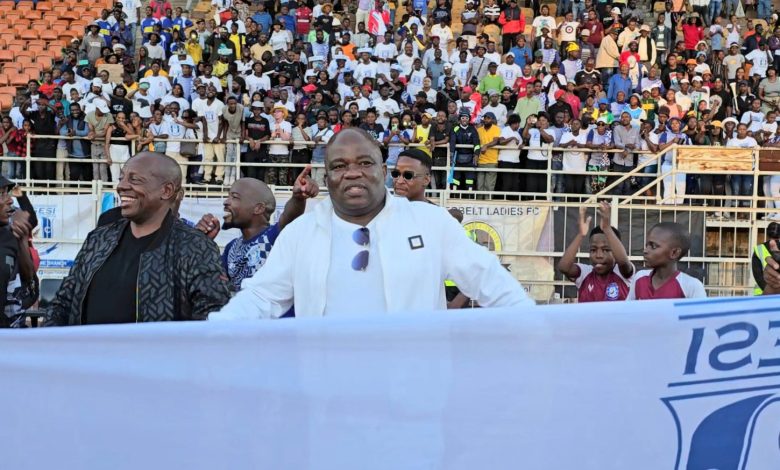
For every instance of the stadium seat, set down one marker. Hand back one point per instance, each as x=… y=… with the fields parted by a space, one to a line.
x=33 y=72
x=529 y=15
x=19 y=80
x=50 y=34
x=6 y=102
x=4 y=79
x=29 y=34
x=6 y=55
x=7 y=90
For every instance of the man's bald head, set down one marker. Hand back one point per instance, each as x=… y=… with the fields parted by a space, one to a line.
x=250 y=203
x=353 y=135
x=149 y=186
x=257 y=192
x=161 y=166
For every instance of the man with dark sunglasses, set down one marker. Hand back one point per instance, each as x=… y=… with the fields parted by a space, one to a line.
x=412 y=174
x=362 y=251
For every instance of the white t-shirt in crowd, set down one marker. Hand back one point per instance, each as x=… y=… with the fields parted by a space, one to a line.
x=569 y=31
x=510 y=156
x=279 y=149
x=369 y=283
x=754 y=121
x=509 y=73
x=129 y=8
x=255 y=83
x=212 y=113
x=760 y=60
x=535 y=140
x=544 y=21
x=746 y=143
x=175 y=131
x=572 y=160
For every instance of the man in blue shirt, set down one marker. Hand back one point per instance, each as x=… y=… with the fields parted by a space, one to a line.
x=249 y=207
x=263 y=18
x=521 y=51
x=619 y=82
x=287 y=19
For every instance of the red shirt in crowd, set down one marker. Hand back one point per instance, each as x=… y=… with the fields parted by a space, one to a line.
x=594 y=288
x=679 y=286
x=17 y=142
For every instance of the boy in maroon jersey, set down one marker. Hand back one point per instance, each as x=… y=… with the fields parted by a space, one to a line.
x=608 y=276
x=666 y=243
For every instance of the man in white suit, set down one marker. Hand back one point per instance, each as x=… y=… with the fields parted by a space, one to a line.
x=362 y=251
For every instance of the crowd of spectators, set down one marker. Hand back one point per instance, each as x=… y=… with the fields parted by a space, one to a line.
x=271 y=82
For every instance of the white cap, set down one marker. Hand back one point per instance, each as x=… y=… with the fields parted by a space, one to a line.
x=615 y=10
x=697 y=79
x=365 y=50
x=101 y=106
x=97 y=82
x=257 y=104
x=339 y=57
x=119 y=46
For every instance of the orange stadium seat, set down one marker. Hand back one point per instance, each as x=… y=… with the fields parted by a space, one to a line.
x=13 y=15
x=23 y=56
x=50 y=34
x=3 y=79
x=19 y=80
x=11 y=68
x=70 y=15
x=7 y=90
x=36 y=49
x=29 y=34
x=6 y=55
x=45 y=6
x=36 y=43
x=6 y=102
x=33 y=73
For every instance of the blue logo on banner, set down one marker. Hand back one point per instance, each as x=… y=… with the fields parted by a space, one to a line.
x=46 y=217
x=728 y=421
x=46 y=229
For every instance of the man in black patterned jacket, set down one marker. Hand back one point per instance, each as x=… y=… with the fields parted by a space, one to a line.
x=146 y=266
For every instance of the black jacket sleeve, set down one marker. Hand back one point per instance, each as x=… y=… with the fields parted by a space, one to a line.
x=206 y=285
x=58 y=313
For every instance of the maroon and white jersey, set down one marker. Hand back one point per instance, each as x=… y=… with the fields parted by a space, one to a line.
x=679 y=286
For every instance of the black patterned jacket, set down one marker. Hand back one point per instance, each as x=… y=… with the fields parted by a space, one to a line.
x=179 y=278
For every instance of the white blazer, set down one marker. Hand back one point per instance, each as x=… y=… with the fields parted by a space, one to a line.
x=296 y=270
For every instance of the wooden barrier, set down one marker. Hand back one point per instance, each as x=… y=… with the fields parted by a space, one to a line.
x=714 y=159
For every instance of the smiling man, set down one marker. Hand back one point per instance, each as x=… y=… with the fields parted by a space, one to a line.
x=249 y=207
x=363 y=252
x=146 y=266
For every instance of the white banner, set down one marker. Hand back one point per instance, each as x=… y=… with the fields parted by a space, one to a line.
x=643 y=385
x=64 y=216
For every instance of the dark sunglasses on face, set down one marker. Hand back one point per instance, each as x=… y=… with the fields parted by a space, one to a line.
x=408 y=174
